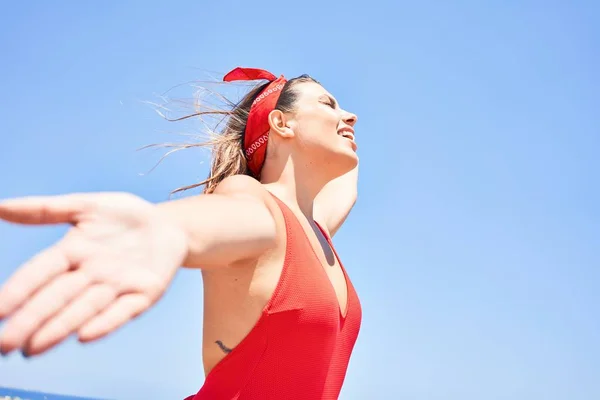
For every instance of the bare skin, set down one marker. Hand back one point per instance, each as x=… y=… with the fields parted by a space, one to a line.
x=123 y=252
x=234 y=296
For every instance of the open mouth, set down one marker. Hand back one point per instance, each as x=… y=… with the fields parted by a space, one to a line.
x=347 y=134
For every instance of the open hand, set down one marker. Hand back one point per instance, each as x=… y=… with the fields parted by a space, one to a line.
x=113 y=264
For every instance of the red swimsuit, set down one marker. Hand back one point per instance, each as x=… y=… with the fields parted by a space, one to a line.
x=301 y=344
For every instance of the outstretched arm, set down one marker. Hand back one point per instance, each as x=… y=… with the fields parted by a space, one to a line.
x=336 y=199
x=232 y=224
x=119 y=257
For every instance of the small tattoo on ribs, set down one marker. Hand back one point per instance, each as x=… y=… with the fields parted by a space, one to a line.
x=223 y=347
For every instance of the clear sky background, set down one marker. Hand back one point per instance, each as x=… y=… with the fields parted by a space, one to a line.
x=475 y=242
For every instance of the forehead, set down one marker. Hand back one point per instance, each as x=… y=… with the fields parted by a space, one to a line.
x=311 y=90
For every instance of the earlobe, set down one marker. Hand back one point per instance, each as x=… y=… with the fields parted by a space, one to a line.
x=279 y=124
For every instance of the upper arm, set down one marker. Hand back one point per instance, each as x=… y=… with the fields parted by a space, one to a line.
x=335 y=201
x=232 y=224
x=251 y=228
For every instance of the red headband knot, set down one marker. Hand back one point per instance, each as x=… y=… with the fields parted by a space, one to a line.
x=257 y=127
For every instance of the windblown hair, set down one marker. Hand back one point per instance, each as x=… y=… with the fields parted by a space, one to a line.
x=226 y=145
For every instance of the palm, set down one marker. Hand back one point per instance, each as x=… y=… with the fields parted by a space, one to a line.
x=111 y=266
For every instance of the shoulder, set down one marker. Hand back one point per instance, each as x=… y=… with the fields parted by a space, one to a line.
x=239 y=185
x=244 y=186
x=259 y=200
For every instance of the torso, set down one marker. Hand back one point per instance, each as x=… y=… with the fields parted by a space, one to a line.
x=235 y=296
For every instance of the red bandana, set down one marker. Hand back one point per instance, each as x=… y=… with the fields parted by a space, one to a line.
x=257 y=127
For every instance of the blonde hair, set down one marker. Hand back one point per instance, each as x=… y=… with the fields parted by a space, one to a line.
x=227 y=146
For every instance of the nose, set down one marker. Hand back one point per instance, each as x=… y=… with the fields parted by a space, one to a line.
x=349 y=118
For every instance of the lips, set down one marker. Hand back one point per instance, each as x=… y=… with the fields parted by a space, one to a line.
x=347 y=133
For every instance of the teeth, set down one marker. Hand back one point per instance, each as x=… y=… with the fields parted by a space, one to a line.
x=347 y=135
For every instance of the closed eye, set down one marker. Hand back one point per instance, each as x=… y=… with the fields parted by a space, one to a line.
x=330 y=101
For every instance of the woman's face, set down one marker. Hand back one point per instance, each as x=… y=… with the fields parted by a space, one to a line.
x=324 y=131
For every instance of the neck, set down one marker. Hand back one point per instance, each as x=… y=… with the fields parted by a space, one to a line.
x=293 y=183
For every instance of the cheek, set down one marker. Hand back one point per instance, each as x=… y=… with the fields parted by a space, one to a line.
x=318 y=127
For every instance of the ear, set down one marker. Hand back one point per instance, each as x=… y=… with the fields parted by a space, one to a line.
x=280 y=124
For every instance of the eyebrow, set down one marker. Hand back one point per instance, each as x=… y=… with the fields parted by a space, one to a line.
x=333 y=101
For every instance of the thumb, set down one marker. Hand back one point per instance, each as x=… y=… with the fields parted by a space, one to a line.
x=38 y=210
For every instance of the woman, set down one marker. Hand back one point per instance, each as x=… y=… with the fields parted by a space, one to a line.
x=280 y=314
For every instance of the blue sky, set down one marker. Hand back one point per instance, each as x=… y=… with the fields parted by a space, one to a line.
x=474 y=243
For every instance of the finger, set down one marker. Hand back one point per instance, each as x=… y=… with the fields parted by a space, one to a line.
x=44 y=209
x=44 y=304
x=124 y=309
x=35 y=273
x=93 y=301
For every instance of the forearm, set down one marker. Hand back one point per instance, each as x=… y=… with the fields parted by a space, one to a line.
x=336 y=199
x=221 y=229
x=346 y=186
